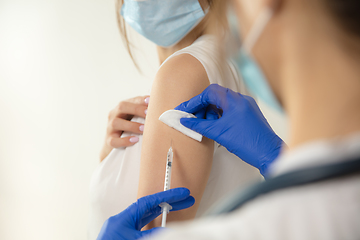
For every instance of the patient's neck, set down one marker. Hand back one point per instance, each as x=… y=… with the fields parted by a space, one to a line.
x=165 y=52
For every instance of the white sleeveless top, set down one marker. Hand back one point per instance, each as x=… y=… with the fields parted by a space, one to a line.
x=114 y=183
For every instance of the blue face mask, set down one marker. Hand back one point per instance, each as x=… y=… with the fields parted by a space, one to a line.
x=250 y=71
x=255 y=80
x=164 y=22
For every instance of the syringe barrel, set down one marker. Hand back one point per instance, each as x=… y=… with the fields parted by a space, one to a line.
x=165 y=207
x=168 y=170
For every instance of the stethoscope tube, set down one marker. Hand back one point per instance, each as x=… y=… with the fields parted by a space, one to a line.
x=288 y=180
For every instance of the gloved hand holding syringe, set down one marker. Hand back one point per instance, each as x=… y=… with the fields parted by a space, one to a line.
x=165 y=207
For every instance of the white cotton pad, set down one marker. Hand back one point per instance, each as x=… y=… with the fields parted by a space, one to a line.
x=172 y=119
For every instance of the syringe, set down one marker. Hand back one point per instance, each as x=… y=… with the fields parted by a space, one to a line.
x=165 y=207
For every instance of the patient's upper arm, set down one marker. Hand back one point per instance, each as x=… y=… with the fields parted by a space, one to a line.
x=178 y=80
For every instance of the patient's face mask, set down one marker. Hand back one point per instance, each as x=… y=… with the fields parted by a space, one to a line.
x=250 y=71
x=164 y=22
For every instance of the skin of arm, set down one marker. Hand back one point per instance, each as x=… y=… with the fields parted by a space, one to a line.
x=179 y=79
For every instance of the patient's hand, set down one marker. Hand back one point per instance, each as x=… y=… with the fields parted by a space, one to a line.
x=119 y=121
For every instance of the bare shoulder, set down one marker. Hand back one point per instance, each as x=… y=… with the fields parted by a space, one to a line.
x=179 y=79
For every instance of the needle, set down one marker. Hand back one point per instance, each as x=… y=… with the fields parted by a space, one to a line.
x=165 y=207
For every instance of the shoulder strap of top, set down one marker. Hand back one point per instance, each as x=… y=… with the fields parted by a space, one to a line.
x=204 y=49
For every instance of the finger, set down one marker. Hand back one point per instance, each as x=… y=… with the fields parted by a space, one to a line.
x=150 y=204
x=115 y=142
x=151 y=232
x=200 y=114
x=180 y=205
x=212 y=113
x=147 y=100
x=147 y=218
x=202 y=126
x=144 y=100
x=214 y=94
x=195 y=104
x=122 y=125
x=128 y=108
x=176 y=206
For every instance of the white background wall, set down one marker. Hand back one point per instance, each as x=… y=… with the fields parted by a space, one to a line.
x=62 y=69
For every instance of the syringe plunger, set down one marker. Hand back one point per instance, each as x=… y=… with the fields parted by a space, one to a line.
x=165 y=209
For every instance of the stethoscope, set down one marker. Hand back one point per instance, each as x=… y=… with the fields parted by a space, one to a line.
x=287 y=180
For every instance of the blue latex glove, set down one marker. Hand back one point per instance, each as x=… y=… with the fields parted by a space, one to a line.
x=128 y=224
x=235 y=122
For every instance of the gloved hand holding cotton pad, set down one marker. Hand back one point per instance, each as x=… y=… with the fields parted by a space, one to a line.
x=172 y=119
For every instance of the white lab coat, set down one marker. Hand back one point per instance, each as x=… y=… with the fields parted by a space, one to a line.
x=327 y=210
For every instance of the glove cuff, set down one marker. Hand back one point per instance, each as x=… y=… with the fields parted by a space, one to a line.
x=264 y=167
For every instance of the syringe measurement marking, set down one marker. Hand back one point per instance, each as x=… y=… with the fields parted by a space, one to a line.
x=165 y=207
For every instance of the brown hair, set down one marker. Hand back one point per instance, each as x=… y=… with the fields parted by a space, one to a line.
x=346 y=13
x=123 y=30
x=217 y=21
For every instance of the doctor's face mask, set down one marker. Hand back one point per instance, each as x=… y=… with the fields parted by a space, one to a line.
x=250 y=70
x=164 y=22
